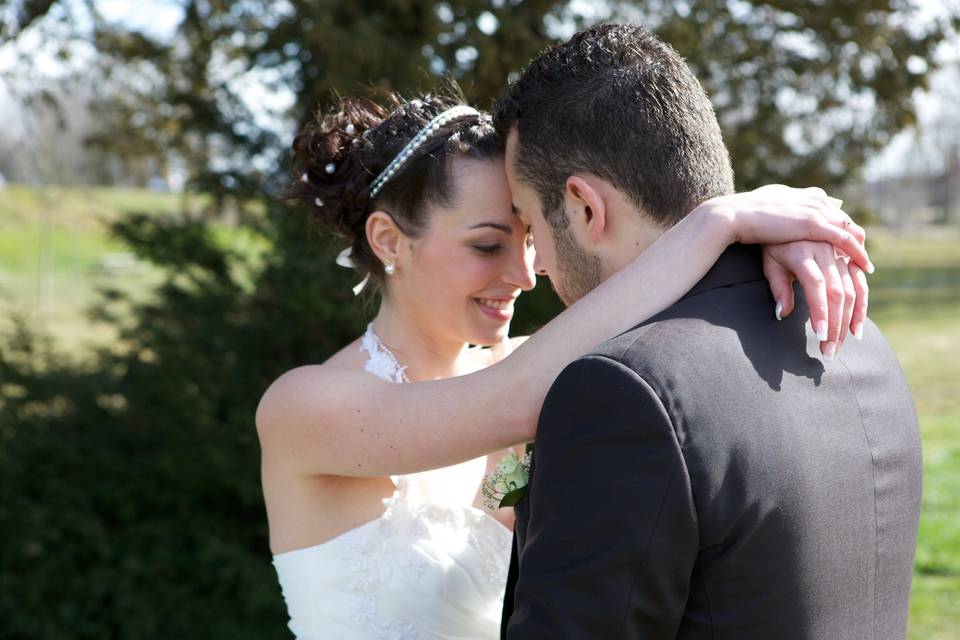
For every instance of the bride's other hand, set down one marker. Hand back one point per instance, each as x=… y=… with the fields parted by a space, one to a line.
x=777 y=214
x=835 y=288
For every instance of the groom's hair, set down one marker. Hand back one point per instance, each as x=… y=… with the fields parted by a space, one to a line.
x=616 y=102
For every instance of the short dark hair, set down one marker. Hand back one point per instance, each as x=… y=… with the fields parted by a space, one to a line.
x=617 y=102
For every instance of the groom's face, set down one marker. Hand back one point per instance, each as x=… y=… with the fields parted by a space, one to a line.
x=573 y=270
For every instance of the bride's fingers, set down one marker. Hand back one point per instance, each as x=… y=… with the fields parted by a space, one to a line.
x=837 y=216
x=836 y=295
x=781 y=286
x=844 y=241
x=858 y=232
x=860 y=307
x=814 y=285
x=849 y=299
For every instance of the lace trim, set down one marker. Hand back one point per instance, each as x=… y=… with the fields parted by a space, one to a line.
x=381 y=362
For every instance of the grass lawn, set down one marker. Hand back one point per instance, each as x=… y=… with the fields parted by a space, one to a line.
x=55 y=253
x=915 y=299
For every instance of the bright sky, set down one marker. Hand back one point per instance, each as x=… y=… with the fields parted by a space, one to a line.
x=899 y=156
x=156 y=18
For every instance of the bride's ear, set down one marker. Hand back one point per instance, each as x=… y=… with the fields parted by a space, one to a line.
x=384 y=236
x=586 y=208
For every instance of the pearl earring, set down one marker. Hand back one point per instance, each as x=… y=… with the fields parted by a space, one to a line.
x=390 y=267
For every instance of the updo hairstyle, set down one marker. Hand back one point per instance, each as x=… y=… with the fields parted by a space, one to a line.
x=338 y=154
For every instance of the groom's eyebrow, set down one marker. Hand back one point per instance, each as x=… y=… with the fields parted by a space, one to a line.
x=494 y=225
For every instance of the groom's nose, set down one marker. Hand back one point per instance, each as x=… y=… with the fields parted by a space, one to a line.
x=538 y=267
x=522 y=275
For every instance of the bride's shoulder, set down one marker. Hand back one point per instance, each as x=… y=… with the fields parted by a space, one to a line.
x=350 y=357
x=305 y=392
x=346 y=359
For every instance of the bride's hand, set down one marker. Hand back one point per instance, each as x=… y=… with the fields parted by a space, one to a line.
x=835 y=288
x=808 y=238
x=776 y=214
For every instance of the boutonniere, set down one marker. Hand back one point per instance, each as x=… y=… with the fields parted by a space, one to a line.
x=507 y=483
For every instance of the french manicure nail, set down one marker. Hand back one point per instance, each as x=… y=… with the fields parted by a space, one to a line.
x=858 y=331
x=778 y=311
x=822 y=331
x=871 y=268
x=830 y=351
x=837 y=202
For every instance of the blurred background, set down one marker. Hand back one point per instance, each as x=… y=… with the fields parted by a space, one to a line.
x=152 y=283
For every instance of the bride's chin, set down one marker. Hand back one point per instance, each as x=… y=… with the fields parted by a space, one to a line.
x=501 y=334
x=488 y=338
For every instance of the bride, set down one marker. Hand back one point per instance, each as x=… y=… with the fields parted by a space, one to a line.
x=377 y=525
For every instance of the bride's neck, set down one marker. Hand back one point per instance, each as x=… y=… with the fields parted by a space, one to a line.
x=426 y=355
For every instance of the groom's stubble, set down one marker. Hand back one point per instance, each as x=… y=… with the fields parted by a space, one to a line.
x=579 y=271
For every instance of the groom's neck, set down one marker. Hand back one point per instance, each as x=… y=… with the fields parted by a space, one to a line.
x=633 y=234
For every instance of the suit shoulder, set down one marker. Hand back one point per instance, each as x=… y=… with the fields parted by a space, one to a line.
x=658 y=336
x=706 y=326
x=597 y=374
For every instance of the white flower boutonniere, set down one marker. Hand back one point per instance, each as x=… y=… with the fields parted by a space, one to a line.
x=508 y=482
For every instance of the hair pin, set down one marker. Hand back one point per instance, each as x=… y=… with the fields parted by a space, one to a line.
x=330 y=168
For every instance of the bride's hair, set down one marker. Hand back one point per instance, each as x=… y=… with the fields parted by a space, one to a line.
x=339 y=153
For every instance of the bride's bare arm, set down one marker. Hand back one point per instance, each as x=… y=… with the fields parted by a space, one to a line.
x=328 y=420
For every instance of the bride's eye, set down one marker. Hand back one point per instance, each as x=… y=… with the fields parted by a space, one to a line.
x=488 y=249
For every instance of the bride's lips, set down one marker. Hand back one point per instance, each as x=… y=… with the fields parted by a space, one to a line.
x=499 y=309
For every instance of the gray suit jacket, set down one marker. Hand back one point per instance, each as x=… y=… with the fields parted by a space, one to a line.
x=706 y=475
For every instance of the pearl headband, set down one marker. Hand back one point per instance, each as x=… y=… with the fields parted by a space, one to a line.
x=411 y=147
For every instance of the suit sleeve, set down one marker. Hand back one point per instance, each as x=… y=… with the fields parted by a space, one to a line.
x=612 y=535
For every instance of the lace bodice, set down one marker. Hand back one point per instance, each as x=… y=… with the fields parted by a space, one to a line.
x=428 y=568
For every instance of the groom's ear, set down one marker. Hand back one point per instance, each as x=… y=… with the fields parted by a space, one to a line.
x=586 y=207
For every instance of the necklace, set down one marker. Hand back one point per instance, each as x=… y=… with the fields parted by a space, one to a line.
x=399 y=373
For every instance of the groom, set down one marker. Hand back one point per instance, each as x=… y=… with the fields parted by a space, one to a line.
x=706 y=474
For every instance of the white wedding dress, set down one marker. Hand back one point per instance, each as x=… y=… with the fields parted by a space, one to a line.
x=428 y=568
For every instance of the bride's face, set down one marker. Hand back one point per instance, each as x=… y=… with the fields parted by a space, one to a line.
x=462 y=276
